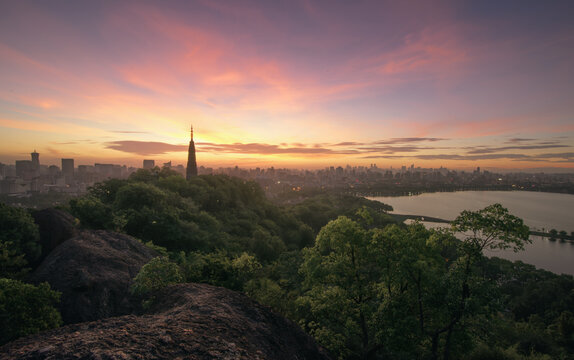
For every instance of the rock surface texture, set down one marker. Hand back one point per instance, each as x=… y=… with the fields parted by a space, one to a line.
x=55 y=226
x=189 y=321
x=93 y=271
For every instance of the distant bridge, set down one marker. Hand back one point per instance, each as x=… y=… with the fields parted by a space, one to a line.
x=402 y=218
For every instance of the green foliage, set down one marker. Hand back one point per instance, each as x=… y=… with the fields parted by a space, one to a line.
x=159 y=249
x=106 y=191
x=37 y=200
x=403 y=291
x=485 y=352
x=203 y=214
x=492 y=228
x=553 y=232
x=565 y=326
x=219 y=268
x=537 y=307
x=26 y=309
x=156 y=275
x=317 y=211
x=245 y=266
x=19 y=241
x=12 y=262
x=341 y=274
x=267 y=292
x=92 y=212
x=365 y=287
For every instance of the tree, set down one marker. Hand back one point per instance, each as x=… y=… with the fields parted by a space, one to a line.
x=414 y=274
x=490 y=228
x=342 y=278
x=553 y=234
x=92 y=212
x=19 y=241
x=246 y=267
x=26 y=309
x=267 y=292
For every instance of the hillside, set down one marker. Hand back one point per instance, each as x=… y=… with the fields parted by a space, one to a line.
x=192 y=321
x=93 y=271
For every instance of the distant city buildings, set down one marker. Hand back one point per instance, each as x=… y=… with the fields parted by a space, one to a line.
x=375 y=181
x=24 y=169
x=29 y=176
x=148 y=164
x=68 y=167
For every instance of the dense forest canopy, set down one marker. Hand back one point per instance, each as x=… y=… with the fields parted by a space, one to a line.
x=363 y=285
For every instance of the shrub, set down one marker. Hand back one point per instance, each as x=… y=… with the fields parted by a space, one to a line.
x=26 y=309
x=156 y=275
x=18 y=241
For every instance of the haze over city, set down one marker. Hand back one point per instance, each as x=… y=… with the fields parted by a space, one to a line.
x=290 y=84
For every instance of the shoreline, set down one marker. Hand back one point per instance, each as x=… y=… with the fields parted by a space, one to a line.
x=556 y=237
x=415 y=192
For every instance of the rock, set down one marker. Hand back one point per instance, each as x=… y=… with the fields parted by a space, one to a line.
x=190 y=321
x=93 y=271
x=55 y=227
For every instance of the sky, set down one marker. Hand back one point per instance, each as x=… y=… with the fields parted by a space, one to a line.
x=296 y=84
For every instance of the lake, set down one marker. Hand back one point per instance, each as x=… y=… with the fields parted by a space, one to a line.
x=540 y=211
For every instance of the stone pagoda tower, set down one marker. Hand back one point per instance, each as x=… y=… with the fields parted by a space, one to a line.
x=191 y=162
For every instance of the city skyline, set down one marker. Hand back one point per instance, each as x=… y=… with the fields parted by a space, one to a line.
x=302 y=84
x=147 y=163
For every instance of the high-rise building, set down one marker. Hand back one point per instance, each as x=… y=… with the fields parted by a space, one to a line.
x=35 y=160
x=104 y=171
x=23 y=168
x=148 y=164
x=191 y=162
x=68 y=167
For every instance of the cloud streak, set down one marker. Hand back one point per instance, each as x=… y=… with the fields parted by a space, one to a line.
x=352 y=150
x=525 y=147
x=343 y=148
x=144 y=147
x=550 y=157
x=128 y=132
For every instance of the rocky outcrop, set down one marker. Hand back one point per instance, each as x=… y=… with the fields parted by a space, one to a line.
x=55 y=227
x=190 y=321
x=93 y=271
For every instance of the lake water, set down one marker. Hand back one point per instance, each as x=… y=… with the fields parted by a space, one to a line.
x=538 y=210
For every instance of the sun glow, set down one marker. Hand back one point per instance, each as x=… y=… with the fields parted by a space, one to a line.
x=118 y=82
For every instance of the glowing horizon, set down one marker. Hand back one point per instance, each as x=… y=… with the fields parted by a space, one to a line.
x=302 y=84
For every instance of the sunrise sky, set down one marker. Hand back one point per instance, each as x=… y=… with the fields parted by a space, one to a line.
x=296 y=83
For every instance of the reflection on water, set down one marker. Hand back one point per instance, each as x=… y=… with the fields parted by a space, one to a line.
x=540 y=211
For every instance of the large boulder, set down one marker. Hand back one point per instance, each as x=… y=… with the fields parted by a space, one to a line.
x=93 y=271
x=55 y=227
x=190 y=321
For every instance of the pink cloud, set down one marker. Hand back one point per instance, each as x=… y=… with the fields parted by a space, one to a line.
x=55 y=127
x=206 y=64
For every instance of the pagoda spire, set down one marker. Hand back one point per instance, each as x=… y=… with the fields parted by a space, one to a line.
x=191 y=161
